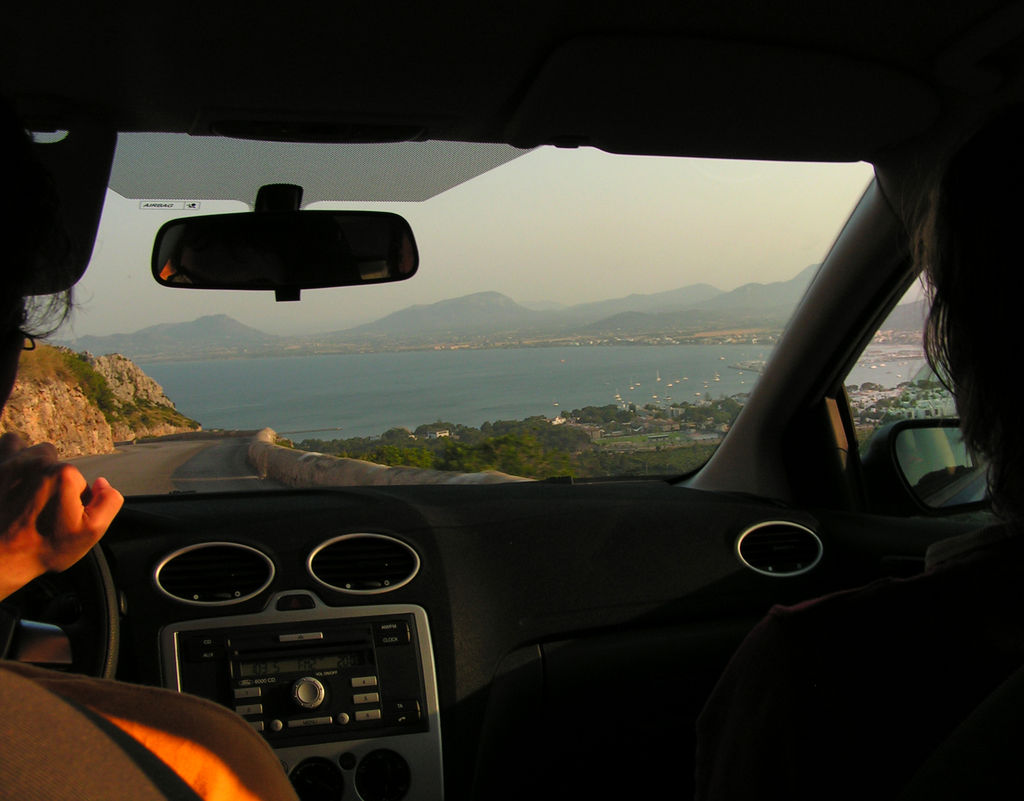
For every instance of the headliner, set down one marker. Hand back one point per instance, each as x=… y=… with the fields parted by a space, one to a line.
x=788 y=79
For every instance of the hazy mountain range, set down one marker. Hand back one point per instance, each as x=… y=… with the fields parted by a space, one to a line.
x=202 y=333
x=480 y=319
x=908 y=317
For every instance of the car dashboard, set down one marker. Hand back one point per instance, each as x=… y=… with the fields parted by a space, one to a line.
x=533 y=637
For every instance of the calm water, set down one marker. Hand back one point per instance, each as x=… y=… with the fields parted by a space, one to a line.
x=368 y=393
x=889 y=365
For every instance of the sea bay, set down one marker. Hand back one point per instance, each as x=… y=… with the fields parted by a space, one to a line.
x=330 y=396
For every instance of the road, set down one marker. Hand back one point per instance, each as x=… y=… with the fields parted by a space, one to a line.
x=213 y=463
x=970 y=487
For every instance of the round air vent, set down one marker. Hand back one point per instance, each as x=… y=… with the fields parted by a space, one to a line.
x=779 y=548
x=214 y=573
x=363 y=563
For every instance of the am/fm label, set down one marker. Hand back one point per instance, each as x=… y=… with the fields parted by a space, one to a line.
x=170 y=205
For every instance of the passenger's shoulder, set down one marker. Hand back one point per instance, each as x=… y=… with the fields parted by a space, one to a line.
x=999 y=542
x=970 y=570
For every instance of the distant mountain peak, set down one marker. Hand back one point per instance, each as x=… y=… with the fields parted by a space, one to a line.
x=205 y=336
x=474 y=312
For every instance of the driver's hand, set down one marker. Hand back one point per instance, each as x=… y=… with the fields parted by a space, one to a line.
x=49 y=516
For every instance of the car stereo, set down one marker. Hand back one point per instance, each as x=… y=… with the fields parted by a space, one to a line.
x=344 y=695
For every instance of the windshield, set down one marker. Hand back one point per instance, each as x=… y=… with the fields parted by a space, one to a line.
x=575 y=313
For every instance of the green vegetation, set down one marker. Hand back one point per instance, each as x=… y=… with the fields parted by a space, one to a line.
x=531 y=447
x=45 y=363
x=662 y=461
x=591 y=442
x=146 y=414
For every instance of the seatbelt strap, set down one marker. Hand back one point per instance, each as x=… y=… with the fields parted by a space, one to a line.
x=156 y=770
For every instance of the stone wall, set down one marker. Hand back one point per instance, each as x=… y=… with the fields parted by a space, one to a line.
x=304 y=469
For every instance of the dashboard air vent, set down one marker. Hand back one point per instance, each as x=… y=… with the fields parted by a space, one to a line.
x=214 y=573
x=363 y=563
x=779 y=548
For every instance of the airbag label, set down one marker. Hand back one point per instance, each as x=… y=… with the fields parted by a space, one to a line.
x=170 y=205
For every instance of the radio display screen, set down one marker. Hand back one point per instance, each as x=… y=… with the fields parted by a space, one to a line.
x=302 y=664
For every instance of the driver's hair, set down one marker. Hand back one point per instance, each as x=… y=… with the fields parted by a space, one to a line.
x=969 y=247
x=32 y=235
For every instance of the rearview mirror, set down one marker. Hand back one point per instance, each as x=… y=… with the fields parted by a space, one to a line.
x=284 y=251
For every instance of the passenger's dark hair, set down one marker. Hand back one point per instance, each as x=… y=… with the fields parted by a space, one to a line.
x=969 y=246
x=33 y=239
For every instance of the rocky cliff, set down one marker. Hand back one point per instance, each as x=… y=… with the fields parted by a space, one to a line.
x=84 y=404
x=127 y=381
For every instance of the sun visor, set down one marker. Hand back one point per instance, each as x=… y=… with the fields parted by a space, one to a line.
x=686 y=97
x=151 y=166
x=78 y=163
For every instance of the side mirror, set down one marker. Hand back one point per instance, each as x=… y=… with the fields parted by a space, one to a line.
x=923 y=465
x=284 y=251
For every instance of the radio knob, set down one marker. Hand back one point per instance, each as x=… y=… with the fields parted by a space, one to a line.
x=308 y=693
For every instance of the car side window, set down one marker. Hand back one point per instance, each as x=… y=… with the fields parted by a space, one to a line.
x=905 y=421
x=892 y=380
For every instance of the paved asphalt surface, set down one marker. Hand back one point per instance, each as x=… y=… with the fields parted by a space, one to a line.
x=214 y=463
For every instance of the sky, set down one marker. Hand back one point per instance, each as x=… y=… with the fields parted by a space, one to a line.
x=552 y=226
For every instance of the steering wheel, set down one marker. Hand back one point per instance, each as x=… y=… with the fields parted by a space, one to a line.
x=82 y=603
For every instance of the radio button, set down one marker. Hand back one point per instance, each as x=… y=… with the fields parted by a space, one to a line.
x=205 y=649
x=367 y=714
x=298 y=723
x=392 y=632
x=256 y=724
x=364 y=681
x=366 y=698
x=249 y=709
x=403 y=712
x=301 y=636
x=248 y=692
x=291 y=603
x=342 y=719
x=308 y=692
x=276 y=725
x=208 y=655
